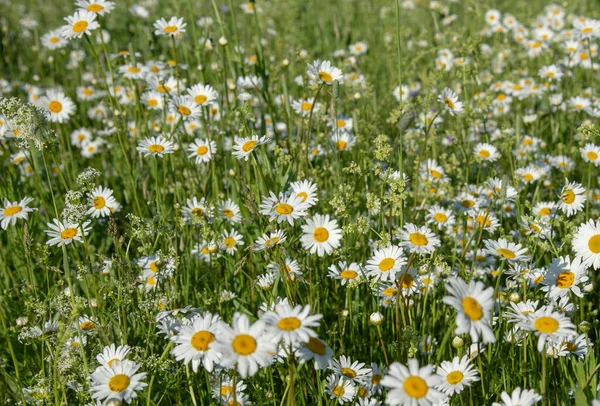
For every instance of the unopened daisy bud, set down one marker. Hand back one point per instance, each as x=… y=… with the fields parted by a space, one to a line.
x=36 y=78
x=458 y=342
x=50 y=59
x=177 y=206
x=232 y=173
x=67 y=292
x=376 y=318
x=223 y=41
x=113 y=402
x=589 y=288
x=345 y=313
x=514 y=297
x=357 y=96
x=21 y=321
x=584 y=326
x=269 y=394
x=200 y=67
x=285 y=62
x=93 y=302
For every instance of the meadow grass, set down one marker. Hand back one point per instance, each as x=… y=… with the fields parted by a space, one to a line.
x=452 y=148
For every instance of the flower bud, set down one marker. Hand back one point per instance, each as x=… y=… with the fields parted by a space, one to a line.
x=376 y=318
x=457 y=342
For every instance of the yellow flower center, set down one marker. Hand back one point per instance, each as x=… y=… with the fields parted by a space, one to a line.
x=587 y=30
x=202 y=150
x=568 y=196
x=54 y=40
x=169 y=29
x=472 y=308
x=228 y=213
x=454 y=377
x=594 y=244
x=415 y=387
x=80 y=26
x=467 y=203
x=528 y=177
x=118 y=383
x=272 y=241
x=134 y=69
x=55 y=106
x=284 y=208
x=197 y=211
x=289 y=323
x=229 y=242
x=99 y=202
x=591 y=155
x=506 y=253
x=303 y=195
x=156 y=148
x=95 y=8
x=153 y=266
x=248 y=146
x=349 y=372
x=200 y=99
x=565 y=279
x=244 y=344
x=68 y=233
x=389 y=292
x=408 y=281
x=201 y=339
x=449 y=103
x=341 y=123
x=484 y=153
x=386 y=264
x=338 y=391
x=163 y=88
x=546 y=325
x=440 y=217
x=348 y=274
x=321 y=234
x=483 y=220
x=316 y=346
x=341 y=145
x=306 y=106
x=418 y=239
x=87 y=325
x=325 y=77
x=12 y=210
x=184 y=111
x=545 y=211
x=112 y=361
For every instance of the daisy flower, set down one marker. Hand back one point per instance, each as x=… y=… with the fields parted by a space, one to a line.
x=175 y=27
x=80 y=23
x=304 y=106
x=156 y=146
x=586 y=243
x=412 y=385
x=506 y=250
x=118 y=382
x=185 y=106
x=243 y=147
x=358 y=48
x=202 y=150
x=501 y=189
x=321 y=235
x=340 y=389
x=591 y=154
x=111 y=355
x=65 y=233
x=203 y=94
x=486 y=152
x=53 y=39
x=323 y=72
x=548 y=325
x=385 y=264
x=544 y=210
x=230 y=211
x=572 y=198
x=354 y=371
x=451 y=102
x=100 y=7
x=456 y=375
x=527 y=397
x=269 y=241
x=343 y=140
x=195 y=208
x=283 y=208
x=230 y=240
x=317 y=350
x=345 y=273
x=195 y=342
x=563 y=276
x=440 y=217
x=307 y=190
x=13 y=211
x=474 y=305
x=102 y=202
x=153 y=99
x=60 y=106
x=244 y=346
x=419 y=240
x=292 y=325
